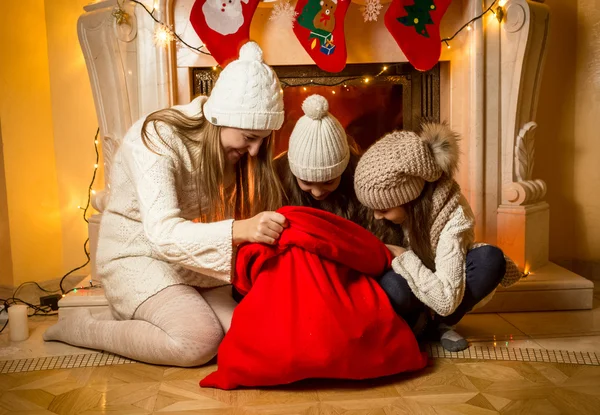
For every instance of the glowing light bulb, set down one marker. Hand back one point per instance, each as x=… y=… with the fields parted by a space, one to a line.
x=95 y=141
x=304 y=88
x=385 y=68
x=281 y=91
x=366 y=80
x=162 y=35
x=469 y=28
x=214 y=68
x=333 y=92
x=93 y=192
x=95 y=166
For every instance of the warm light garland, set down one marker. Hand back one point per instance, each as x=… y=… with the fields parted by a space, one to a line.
x=45 y=309
x=85 y=209
x=163 y=34
x=499 y=12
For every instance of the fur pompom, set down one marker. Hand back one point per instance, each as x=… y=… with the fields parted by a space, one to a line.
x=443 y=143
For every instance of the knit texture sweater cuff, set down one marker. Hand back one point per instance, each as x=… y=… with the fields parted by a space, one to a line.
x=433 y=290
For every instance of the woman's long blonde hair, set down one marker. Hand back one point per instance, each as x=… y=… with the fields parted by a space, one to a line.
x=257 y=187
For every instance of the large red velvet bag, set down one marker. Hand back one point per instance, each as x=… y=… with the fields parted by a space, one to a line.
x=312 y=309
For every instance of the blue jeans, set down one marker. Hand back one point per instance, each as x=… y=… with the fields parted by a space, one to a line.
x=485 y=269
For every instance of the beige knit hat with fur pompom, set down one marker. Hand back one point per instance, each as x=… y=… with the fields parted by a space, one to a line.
x=393 y=171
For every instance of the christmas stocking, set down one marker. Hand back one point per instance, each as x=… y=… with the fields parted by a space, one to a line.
x=415 y=25
x=320 y=30
x=223 y=26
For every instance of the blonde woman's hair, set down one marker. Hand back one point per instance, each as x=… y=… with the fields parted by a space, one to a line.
x=256 y=188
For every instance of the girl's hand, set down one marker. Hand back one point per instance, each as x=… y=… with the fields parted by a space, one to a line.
x=266 y=227
x=396 y=250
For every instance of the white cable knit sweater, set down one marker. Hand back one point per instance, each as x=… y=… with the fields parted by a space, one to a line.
x=442 y=290
x=147 y=239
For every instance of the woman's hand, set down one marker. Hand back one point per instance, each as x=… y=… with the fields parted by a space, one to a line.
x=266 y=227
x=396 y=250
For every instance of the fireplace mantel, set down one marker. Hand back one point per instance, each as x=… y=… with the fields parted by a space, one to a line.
x=489 y=84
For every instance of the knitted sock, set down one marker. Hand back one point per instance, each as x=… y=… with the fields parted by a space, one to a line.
x=174 y=327
x=223 y=27
x=450 y=339
x=320 y=31
x=415 y=25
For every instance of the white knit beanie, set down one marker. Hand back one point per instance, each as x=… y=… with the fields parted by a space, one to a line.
x=247 y=94
x=318 y=149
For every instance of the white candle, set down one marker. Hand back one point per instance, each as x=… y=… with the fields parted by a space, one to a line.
x=17 y=322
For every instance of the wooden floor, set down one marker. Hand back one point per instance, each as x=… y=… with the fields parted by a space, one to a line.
x=445 y=387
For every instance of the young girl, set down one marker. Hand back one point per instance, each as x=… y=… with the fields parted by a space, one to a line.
x=210 y=159
x=318 y=169
x=407 y=179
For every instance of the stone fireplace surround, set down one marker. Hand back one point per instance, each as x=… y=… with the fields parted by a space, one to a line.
x=489 y=81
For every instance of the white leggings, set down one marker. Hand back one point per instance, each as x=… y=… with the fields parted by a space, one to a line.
x=179 y=326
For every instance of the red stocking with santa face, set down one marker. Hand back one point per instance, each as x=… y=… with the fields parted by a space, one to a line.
x=223 y=26
x=320 y=30
x=415 y=25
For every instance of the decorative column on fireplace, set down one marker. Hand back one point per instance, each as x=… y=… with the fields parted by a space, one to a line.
x=523 y=216
x=488 y=89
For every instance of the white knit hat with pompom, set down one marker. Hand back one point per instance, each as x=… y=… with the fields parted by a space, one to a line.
x=318 y=149
x=247 y=94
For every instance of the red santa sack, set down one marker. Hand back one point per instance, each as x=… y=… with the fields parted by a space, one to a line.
x=312 y=309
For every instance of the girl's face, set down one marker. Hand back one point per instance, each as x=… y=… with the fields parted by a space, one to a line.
x=319 y=190
x=395 y=215
x=237 y=142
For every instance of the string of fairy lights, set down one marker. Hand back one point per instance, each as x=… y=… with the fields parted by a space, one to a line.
x=85 y=209
x=386 y=69
x=164 y=34
x=47 y=310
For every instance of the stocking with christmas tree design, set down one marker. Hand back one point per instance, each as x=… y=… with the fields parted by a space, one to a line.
x=415 y=25
x=320 y=30
x=223 y=26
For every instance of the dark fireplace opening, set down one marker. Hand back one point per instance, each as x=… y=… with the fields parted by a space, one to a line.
x=367 y=100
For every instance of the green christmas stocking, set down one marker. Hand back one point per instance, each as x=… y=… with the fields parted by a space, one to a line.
x=320 y=30
x=415 y=25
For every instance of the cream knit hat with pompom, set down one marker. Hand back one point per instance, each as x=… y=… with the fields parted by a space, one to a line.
x=318 y=149
x=247 y=94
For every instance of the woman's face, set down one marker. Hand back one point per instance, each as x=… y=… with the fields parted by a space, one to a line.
x=395 y=215
x=237 y=142
x=319 y=190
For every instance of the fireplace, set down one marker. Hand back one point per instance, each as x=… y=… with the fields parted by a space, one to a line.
x=485 y=87
x=399 y=97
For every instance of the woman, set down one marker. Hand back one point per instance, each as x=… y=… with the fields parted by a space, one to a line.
x=209 y=159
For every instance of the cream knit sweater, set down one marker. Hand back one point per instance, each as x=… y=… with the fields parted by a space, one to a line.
x=147 y=239
x=442 y=290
